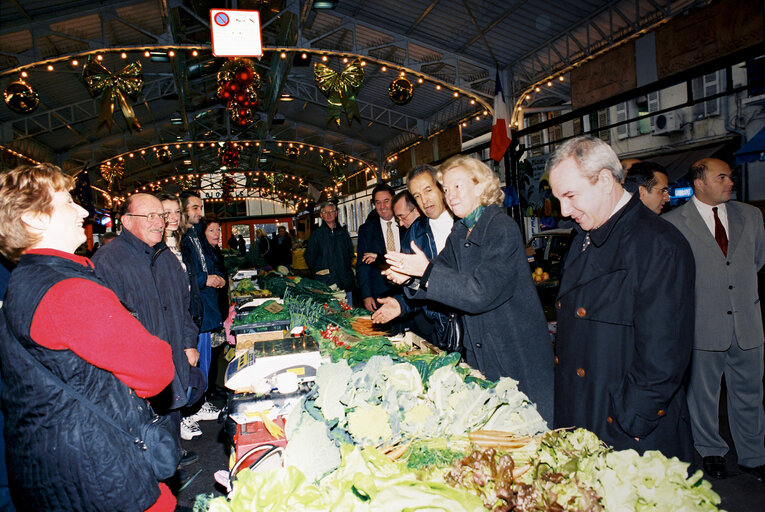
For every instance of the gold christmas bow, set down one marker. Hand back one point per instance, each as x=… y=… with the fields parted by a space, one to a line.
x=112 y=172
x=335 y=164
x=340 y=89
x=114 y=88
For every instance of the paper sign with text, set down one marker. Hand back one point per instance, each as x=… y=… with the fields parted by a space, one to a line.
x=235 y=33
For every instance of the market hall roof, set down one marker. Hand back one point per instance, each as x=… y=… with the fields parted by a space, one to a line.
x=455 y=46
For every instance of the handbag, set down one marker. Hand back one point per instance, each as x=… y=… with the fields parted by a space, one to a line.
x=452 y=341
x=159 y=439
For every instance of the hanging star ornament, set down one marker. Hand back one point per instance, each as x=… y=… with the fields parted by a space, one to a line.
x=340 y=89
x=114 y=88
x=112 y=172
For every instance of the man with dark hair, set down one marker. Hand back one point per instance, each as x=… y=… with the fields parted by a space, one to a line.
x=197 y=251
x=625 y=309
x=378 y=235
x=652 y=184
x=728 y=243
x=429 y=233
x=330 y=251
x=405 y=209
x=149 y=280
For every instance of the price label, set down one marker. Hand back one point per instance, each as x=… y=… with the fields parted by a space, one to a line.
x=274 y=308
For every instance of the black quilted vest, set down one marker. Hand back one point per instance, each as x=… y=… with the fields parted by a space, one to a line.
x=59 y=455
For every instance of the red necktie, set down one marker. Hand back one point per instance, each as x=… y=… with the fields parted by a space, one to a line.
x=720 y=237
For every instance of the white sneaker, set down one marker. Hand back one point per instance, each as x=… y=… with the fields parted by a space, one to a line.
x=206 y=413
x=189 y=429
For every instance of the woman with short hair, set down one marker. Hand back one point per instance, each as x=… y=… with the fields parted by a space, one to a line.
x=505 y=332
x=63 y=456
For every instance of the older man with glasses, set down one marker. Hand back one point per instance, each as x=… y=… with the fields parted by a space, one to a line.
x=150 y=282
x=405 y=209
x=330 y=252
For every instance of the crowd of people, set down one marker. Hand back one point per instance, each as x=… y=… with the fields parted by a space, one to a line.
x=653 y=310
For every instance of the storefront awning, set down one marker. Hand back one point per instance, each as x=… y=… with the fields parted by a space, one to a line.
x=677 y=164
x=753 y=150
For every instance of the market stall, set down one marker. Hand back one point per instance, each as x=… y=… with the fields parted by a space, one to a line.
x=357 y=420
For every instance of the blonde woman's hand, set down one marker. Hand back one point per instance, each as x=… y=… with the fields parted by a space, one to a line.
x=395 y=277
x=389 y=310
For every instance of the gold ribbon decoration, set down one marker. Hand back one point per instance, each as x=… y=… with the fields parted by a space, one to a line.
x=340 y=89
x=336 y=165
x=112 y=172
x=114 y=88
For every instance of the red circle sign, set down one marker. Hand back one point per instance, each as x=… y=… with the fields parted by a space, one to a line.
x=221 y=19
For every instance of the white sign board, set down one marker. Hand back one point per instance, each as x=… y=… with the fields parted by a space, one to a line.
x=235 y=33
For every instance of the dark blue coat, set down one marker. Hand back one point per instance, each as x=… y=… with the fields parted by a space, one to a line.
x=152 y=284
x=371 y=239
x=486 y=278
x=195 y=249
x=625 y=333
x=61 y=456
x=421 y=234
x=332 y=250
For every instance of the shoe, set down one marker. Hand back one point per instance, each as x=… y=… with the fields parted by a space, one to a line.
x=206 y=413
x=189 y=429
x=714 y=466
x=758 y=471
x=188 y=458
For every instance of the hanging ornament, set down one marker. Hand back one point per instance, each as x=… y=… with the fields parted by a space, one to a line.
x=114 y=88
x=340 y=89
x=401 y=91
x=227 y=188
x=21 y=97
x=163 y=155
x=112 y=172
x=275 y=179
x=292 y=153
x=238 y=85
x=229 y=155
x=336 y=165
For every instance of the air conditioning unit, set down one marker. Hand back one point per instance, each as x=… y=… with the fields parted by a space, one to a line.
x=667 y=123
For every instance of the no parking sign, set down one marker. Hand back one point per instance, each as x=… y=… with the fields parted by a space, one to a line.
x=235 y=33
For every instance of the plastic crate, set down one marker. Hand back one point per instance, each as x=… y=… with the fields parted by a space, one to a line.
x=276 y=325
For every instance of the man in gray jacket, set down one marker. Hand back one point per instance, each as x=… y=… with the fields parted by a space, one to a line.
x=728 y=243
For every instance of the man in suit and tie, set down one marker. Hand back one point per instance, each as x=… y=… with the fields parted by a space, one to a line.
x=728 y=243
x=378 y=235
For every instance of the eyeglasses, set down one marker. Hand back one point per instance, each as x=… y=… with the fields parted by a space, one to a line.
x=328 y=211
x=405 y=216
x=151 y=217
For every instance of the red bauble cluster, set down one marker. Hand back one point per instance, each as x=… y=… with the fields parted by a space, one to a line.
x=227 y=187
x=237 y=86
x=229 y=155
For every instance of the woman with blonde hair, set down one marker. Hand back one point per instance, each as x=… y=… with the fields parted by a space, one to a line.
x=505 y=332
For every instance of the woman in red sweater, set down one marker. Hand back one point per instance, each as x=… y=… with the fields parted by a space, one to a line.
x=60 y=455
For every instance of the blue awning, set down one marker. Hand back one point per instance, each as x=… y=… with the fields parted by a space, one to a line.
x=753 y=150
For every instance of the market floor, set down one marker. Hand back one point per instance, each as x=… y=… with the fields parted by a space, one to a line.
x=740 y=492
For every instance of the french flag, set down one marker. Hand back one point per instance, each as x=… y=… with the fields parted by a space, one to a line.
x=500 y=131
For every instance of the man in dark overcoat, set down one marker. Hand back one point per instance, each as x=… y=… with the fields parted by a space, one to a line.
x=330 y=252
x=625 y=309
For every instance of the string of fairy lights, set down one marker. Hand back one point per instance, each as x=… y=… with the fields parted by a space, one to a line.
x=182 y=149
x=70 y=61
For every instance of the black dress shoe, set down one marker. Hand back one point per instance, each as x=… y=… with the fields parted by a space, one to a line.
x=758 y=471
x=714 y=466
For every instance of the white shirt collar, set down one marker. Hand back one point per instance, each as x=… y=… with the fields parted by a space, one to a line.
x=626 y=196
x=441 y=227
x=708 y=215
